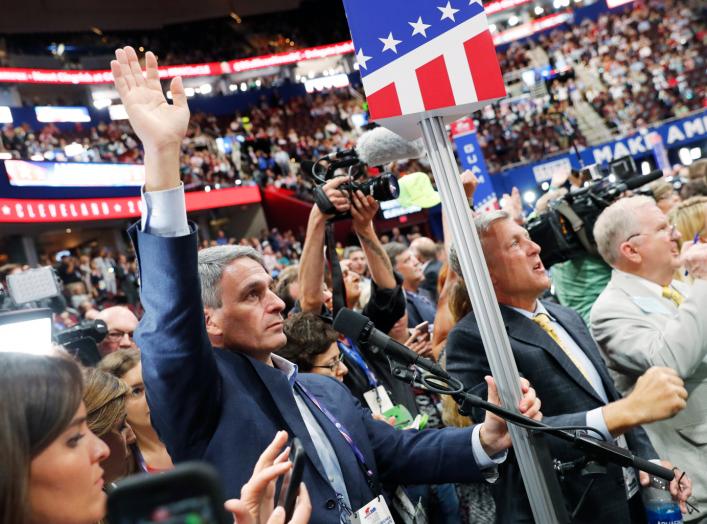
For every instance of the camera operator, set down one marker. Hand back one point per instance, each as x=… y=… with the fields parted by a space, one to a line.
x=646 y=318
x=215 y=389
x=368 y=368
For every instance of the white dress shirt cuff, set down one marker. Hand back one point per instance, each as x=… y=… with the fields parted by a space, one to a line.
x=595 y=419
x=482 y=459
x=164 y=213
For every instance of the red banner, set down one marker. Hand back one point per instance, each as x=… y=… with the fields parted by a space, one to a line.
x=60 y=76
x=13 y=210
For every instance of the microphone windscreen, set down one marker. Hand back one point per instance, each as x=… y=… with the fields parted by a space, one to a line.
x=381 y=146
x=350 y=323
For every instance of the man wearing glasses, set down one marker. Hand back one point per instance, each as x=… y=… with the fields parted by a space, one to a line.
x=121 y=324
x=646 y=318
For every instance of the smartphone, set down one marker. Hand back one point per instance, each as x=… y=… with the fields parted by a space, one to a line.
x=190 y=493
x=292 y=480
x=422 y=331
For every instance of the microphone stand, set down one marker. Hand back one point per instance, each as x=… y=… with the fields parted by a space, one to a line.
x=597 y=452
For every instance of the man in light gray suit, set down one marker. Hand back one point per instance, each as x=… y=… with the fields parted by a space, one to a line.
x=646 y=318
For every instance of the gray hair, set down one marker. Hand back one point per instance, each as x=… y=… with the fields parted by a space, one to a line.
x=482 y=223
x=393 y=249
x=616 y=223
x=212 y=263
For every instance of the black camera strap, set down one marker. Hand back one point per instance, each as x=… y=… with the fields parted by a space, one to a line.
x=578 y=225
x=337 y=279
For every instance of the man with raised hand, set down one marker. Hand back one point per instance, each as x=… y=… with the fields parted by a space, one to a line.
x=211 y=325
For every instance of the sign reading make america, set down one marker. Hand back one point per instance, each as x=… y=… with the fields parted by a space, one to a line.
x=420 y=58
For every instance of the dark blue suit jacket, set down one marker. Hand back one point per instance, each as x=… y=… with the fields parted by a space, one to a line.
x=225 y=408
x=566 y=397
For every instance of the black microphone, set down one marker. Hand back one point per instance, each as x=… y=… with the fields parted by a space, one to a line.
x=341 y=153
x=640 y=180
x=361 y=330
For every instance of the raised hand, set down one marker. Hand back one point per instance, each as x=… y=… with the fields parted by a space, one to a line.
x=159 y=125
x=156 y=122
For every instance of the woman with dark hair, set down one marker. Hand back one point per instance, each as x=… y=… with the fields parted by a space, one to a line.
x=51 y=470
x=311 y=344
x=105 y=397
x=150 y=453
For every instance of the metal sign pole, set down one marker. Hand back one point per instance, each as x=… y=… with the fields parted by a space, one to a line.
x=486 y=310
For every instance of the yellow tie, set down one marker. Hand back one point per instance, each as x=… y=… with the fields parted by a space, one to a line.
x=542 y=320
x=672 y=294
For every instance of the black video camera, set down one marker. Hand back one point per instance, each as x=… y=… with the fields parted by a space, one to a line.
x=565 y=230
x=82 y=340
x=383 y=187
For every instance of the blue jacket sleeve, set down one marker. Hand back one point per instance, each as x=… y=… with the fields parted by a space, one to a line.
x=179 y=370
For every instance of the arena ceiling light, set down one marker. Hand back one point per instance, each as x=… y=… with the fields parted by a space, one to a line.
x=529 y=197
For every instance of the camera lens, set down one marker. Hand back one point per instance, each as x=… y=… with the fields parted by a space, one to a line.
x=384 y=187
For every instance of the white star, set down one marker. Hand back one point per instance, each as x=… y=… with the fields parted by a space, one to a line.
x=448 y=12
x=6 y=210
x=361 y=59
x=390 y=43
x=419 y=27
x=118 y=208
x=474 y=2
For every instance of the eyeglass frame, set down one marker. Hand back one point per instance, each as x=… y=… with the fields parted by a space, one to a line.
x=673 y=229
x=113 y=336
x=333 y=367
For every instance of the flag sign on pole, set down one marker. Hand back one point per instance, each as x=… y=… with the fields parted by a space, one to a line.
x=423 y=58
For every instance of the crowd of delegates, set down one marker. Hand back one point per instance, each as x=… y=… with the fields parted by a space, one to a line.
x=265 y=145
x=650 y=63
x=224 y=357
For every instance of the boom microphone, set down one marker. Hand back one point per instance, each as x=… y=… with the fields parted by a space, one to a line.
x=640 y=180
x=360 y=329
x=380 y=146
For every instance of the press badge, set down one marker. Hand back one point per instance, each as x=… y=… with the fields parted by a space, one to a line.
x=378 y=400
x=375 y=512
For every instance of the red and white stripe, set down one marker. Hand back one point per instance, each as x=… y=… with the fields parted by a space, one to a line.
x=456 y=68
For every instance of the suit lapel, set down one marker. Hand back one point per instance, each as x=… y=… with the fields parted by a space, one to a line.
x=579 y=332
x=527 y=331
x=283 y=397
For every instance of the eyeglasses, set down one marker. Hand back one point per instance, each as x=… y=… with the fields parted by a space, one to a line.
x=118 y=335
x=334 y=363
x=672 y=230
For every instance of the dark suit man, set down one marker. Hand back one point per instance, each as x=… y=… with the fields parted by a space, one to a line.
x=426 y=252
x=210 y=327
x=557 y=354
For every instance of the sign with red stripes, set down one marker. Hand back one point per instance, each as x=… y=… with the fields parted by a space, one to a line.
x=14 y=210
x=420 y=58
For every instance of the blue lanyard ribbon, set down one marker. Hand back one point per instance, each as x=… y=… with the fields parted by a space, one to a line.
x=343 y=431
x=351 y=351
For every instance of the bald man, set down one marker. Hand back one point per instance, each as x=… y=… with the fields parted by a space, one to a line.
x=121 y=324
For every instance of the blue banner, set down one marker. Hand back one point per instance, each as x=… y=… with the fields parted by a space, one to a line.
x=673 y=134
x=472 y=158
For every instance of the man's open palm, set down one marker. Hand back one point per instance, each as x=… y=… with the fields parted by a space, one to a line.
x=158 y=124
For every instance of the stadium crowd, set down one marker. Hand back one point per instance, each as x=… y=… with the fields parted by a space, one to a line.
x=650 y=64
x=222 y=350
x=255 y=321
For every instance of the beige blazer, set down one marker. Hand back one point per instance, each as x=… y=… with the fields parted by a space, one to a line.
x=635 y=329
